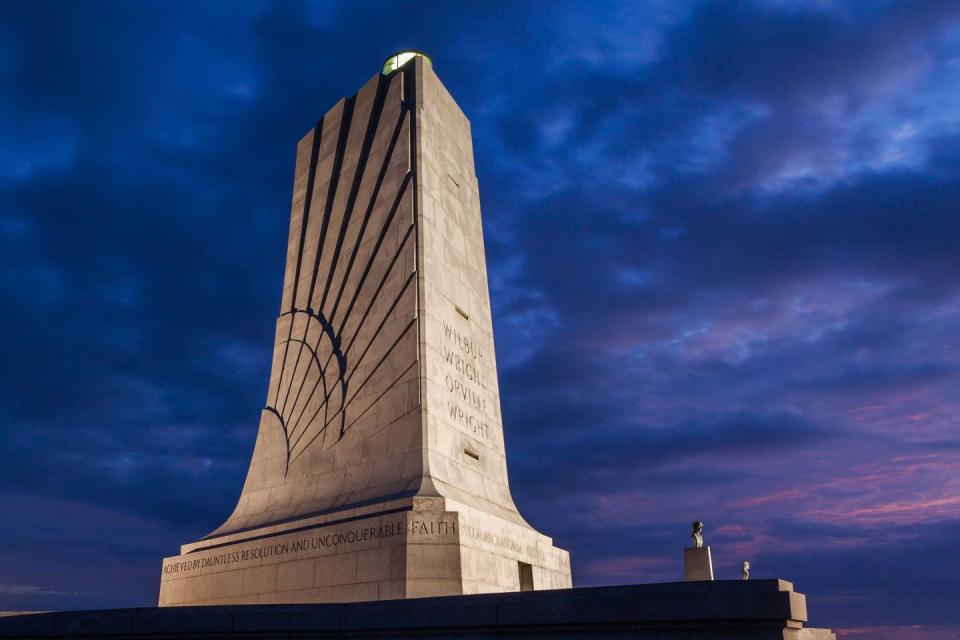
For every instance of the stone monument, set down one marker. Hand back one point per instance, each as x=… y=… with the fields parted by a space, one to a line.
x=379 y=470
x=697 y=563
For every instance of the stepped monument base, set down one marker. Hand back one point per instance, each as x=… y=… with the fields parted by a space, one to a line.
x=410 y=552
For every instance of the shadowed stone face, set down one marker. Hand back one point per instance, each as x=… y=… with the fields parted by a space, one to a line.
x=379 y=469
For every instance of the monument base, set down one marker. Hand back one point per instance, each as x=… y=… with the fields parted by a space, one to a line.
x=697 y=564
x=405 y=552
x=716 y=610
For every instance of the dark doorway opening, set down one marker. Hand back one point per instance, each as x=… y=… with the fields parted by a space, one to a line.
x=526 y=576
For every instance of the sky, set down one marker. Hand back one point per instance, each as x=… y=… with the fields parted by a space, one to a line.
x=723 y=241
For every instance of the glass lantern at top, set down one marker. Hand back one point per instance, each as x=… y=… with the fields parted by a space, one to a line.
x=401 y=58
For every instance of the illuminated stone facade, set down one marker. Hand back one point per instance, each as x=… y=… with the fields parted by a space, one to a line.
x=379 y=470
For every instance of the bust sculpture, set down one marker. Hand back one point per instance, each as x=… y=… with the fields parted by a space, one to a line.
x=745 y=570
x=697 y=535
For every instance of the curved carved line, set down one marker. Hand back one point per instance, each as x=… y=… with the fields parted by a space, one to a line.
x=325 y=328
x=342 y=365
x=342 y=410
x=345 y=382
x=290 y=432
x=346 y=351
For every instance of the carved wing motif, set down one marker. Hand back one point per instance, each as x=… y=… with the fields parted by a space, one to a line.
x=350 y=285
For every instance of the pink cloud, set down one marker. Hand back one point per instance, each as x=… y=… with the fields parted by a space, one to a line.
x=912 y=632
x=632 y=568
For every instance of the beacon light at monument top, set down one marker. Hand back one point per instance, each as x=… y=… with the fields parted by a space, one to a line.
x=379 y=470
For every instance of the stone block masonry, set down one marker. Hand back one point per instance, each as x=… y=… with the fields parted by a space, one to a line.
x=379 y=469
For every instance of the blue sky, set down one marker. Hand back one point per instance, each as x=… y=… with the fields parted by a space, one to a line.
x=724 y=251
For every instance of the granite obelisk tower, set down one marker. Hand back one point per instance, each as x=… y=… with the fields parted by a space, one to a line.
x=379 y=470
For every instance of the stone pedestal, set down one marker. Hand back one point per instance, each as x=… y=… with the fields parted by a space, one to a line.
x=407 y=554
x=379 y=470
x=697 y=564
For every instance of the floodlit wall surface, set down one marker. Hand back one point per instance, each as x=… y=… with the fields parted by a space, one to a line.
x=379 y=469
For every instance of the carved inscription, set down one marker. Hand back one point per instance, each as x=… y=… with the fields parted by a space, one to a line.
x=276 y=549
x=502 y=542
x=467 y=402
x=433 y=527
x=483 y=537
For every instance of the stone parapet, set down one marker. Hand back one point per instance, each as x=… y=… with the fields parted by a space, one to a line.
x=715 y=610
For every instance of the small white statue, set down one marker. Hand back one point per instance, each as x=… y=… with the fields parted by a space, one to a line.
x=697 y=535
x=745 y=570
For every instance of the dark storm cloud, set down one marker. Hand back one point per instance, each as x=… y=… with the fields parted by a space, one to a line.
x=724 y=246
x=609 y=456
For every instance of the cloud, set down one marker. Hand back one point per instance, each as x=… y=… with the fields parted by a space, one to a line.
x=723 y=249
x=30 y=590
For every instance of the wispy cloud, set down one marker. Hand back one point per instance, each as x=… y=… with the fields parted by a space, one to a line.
x=31 y=590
